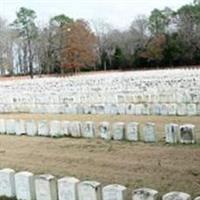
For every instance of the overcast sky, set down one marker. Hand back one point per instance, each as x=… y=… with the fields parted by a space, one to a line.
x=119 y=13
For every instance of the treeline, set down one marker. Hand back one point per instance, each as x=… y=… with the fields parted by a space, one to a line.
x=166 y=38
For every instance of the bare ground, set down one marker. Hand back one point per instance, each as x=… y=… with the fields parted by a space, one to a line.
x=158 y=166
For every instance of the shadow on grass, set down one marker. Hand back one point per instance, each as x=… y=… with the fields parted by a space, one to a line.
x=7 y=198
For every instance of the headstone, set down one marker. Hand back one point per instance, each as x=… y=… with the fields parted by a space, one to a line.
x=171 y=133
x=55 y=128
x=130 y=109
x=132 y=131
x=2 y=126
x=164 y=109
x=88 y=129
x=89 y=190
x=20 y=128
x=25 y=186
x=104 y=130
x=145 y=194
x=191 y=109
x=181 y=109
x=31 y=128
x=67 y=188
x=187 y=134
x=172 y=109
x=10 y=126
x=46 y=187
x=43 y=128
x=139 y=109
x=118 y=131
x=149 y=132
x=65 y=128
x=7 y=182
x=75 y=129
x=176 y=196
x=114 y=192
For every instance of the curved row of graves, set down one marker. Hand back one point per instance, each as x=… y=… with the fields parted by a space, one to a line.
x=174 y=133
x=161 y=92
x=27 y=186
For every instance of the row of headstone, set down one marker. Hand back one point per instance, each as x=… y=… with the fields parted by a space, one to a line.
x=26 y=186
x=162 y=92
x=164 y=109
x=105 y=130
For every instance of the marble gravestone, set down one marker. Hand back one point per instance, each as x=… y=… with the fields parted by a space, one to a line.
x=2 y=126
x=10 y=126
x=7 y=182
x=145 y=194
x=171 y=133
x=55 y=128
x=31 y=128
x=20 y=127
x=132 y=131
x=75 y=129
x=67 y=188
x=104 y=130
x=187 y=134
x=176 y=196
x=88 y=129
x=43 y=128
x=118 y=131
x=25 y=187
x=114 y=192
x=149 y=132
x=46 y=187
x=89 y=190
x=65 y=128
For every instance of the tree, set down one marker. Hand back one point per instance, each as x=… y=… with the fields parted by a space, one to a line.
x=27 y=31
x=79 y=46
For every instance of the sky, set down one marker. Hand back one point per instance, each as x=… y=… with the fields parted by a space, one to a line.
x=118 y=13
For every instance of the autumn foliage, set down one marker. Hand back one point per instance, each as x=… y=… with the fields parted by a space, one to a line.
x=79 y=46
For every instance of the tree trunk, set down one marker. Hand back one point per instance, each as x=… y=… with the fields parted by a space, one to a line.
x=30 y=59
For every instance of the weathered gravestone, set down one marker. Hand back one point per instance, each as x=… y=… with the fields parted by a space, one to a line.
x=43 y=128
x=181 y=109
x=75 y=129
x=191 y=109
x=46 y=187
x=67 y=188
x=171 y=133
x=2 y=126
x=132 y=131
x=104 y=130
x=187 y=134
x=89 y=190
x=88 y=129
x=144 y=194
x=55 y=128
x=114 y=192
x=65 y=128
x=31 y=128
x=7 y=182
x=118 y=131
x=10 y=126
x=149 y=132
x=25 y=186
x=176 y=196
x=20 y=127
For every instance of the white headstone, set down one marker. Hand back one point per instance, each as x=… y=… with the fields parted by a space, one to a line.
x=89 y=190
x=171 y=133
x=65 y=128
x=67 y=188
x=114 y=192
x=31 y=128
x=20 y=128
x=10 y=126
x=43 y=128
x=149 y=132
x=25 y=186
x=176 y=196
x=88 y=129
x=187 y=134
x=145 y=194
x=75 y=129
x=2 y=126
x=118 y=131
x=191 y=109
x=132 y=131
x=104 y=130
x=55 y=128
x=46 y=187
x=181 y=109
x=7 y=182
